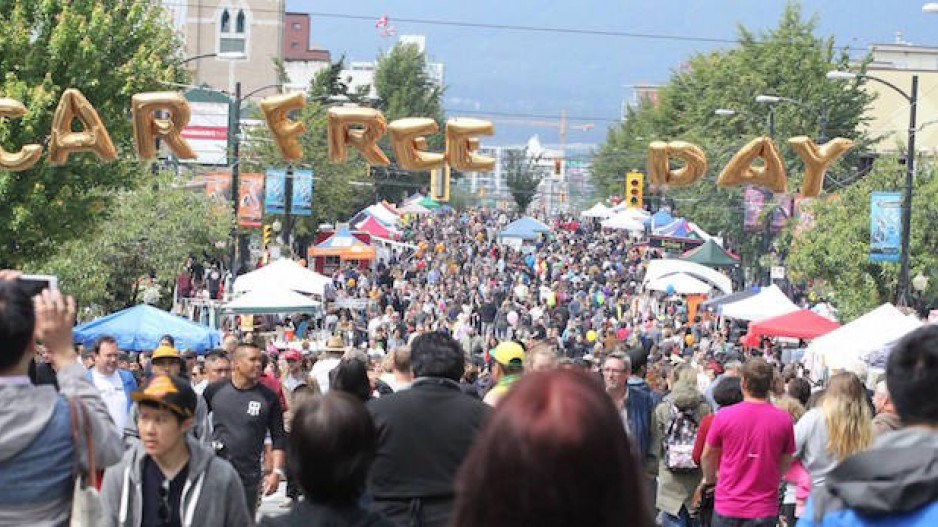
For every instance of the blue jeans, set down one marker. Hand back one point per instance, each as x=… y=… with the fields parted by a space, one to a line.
x=723 y=521
x=683 y=519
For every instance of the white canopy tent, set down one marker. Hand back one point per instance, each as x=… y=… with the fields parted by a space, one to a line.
x=621 y=222
x=596 y=211
x=869 y=334
x=681 y=284
x=272 y=301
x=767 y=303
x=283 y=274
x=382 y=214
x=659 y=268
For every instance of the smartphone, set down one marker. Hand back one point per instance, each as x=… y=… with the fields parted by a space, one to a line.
x=35 y=284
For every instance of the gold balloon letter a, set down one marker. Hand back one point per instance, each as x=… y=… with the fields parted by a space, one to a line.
x=739 y=171
x=659 y=172
x=29 y=154
x=816 y=160
x=64 y=141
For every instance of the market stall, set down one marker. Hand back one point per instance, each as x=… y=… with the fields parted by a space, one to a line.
x=283 y=274
x=140 y=328
x=768 y=302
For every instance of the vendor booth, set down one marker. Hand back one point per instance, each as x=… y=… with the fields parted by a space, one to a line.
x=339 y=248
x=140 y=328
x=283 y=274
x=768 y=302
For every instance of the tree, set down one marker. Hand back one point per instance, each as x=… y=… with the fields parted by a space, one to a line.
x=109 y=51
x=834 y=255
x=147 y=231
x=523 y=175
x=405 y=89
x=788 y=61
x=339 y=189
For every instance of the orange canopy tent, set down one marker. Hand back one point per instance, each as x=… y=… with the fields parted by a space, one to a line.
x=345 y=246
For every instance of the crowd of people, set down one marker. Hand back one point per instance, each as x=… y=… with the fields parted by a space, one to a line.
x=478 y=385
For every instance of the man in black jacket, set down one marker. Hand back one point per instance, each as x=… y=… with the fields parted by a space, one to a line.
x=424 y=434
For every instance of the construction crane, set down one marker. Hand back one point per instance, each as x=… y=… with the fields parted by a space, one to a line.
x=563 y=125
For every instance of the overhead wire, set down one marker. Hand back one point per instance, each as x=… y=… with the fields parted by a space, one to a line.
x=514 y=27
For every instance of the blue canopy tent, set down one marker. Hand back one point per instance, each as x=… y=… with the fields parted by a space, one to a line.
x=678 y=228
x=527 y=229
x=659 y=219
x=140 y=328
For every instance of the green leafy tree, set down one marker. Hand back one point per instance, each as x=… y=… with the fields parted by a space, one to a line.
x=405 y=89
x=787 y=61
x=833 y=256
x=522 y=175
x=108 y=51
x=146 y=231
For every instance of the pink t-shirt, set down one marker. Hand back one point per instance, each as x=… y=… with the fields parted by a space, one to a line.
x=753 y=438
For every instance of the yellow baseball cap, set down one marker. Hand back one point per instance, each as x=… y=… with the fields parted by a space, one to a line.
x=174 y=393
x=508 y=352
x=165 y=352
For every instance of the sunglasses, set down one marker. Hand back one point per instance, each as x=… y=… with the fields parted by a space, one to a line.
x=164 y=510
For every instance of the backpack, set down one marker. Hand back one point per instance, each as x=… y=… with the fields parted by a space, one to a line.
x=678 y=442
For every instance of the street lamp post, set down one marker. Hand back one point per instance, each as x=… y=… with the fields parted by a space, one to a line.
x=902 y=288
x=234 y=161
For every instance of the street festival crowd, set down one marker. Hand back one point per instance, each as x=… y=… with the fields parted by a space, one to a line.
x=477 y=386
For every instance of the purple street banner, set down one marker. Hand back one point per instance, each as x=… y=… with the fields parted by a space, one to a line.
x=885 y=226
x=782 y=212
x=753 y=202
x=302 y=202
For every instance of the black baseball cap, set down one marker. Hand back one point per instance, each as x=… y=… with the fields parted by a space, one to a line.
x=173 y=393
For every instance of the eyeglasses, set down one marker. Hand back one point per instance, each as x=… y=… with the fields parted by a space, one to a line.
x=613 y=370
x=164 y=510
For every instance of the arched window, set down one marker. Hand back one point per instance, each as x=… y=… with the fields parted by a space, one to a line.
x=232 y=38
x=225 y=21
x=239 y=23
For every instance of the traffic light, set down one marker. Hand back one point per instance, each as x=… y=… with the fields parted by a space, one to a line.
x=634 y=181
x=268 y=234
x=558 y=166
x=481 y=192
x=563 y=197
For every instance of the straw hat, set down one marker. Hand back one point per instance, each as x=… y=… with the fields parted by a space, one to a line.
x=334 y=344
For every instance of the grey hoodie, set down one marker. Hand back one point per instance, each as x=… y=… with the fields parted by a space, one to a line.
x=30 y=412
x=884 y=484
x=212 y=495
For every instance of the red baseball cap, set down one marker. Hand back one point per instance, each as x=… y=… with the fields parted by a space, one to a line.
x=292 y=355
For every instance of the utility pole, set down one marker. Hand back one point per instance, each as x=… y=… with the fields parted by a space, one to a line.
x=234 y=161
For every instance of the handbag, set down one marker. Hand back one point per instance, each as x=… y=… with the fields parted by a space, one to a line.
x=86 y=500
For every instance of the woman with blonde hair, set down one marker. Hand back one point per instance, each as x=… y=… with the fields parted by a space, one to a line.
x=837 y=428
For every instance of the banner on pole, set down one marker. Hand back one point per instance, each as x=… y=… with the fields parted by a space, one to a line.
x=782 y=212
x=218 y=186
x=753 y=202
x=275 y=192
x=885 y=226
x=302 y=202
x=250 y=199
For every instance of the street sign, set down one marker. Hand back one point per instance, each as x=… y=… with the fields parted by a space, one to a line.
x=778 y=272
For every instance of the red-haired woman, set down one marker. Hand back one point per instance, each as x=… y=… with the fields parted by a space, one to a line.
x=554 y=453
